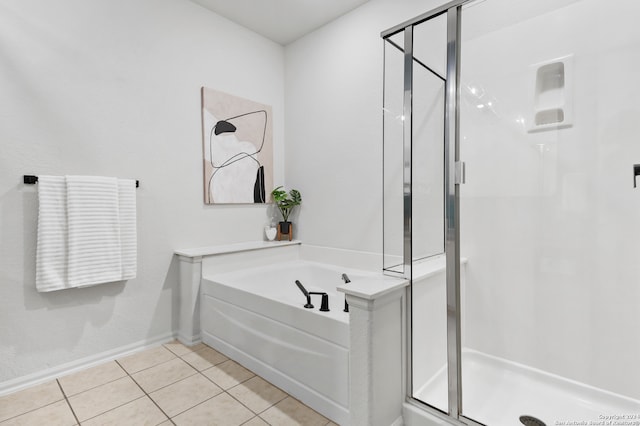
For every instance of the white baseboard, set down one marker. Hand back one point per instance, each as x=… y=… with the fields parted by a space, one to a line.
x=189 y=340
x=398 y=422
x=48 y=374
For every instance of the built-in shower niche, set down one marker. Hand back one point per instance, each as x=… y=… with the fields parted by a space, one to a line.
x=552 y=95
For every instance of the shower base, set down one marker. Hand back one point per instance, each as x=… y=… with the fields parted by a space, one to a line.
x=497 y=392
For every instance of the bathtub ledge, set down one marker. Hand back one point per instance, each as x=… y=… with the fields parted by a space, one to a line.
x=374 y=288
x=233 y=248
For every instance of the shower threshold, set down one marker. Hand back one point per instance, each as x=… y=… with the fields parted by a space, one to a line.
x=498 y=392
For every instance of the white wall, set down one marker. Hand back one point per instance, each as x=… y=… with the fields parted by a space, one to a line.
x=334 y=125
x=112 y=87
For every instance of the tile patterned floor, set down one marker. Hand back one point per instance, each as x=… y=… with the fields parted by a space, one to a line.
x=171 y=384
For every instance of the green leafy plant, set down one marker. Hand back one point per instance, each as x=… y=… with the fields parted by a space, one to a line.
x=286 y=201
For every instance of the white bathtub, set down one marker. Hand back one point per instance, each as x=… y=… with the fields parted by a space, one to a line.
x=256 y=316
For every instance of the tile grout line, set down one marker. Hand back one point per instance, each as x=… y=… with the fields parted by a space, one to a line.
x=145 y=393
x=147 y=368
x=31 y=411
x=235 y=399
x=191 y=408
x=257 y=416
x=210 y=380
x=221 y=388
x=127 y=374
x=286 y=394
x=89 y=389
x=226 y=391
x=64 y=394
x=236 y=385
x=130 y=375
x=111 y=409
x=187 y=353
x=176 y=356
x=242 y=403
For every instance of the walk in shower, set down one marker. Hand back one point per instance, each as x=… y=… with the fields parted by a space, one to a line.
x=510 y=157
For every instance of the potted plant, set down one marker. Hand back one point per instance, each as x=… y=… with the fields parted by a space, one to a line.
x=285 y=201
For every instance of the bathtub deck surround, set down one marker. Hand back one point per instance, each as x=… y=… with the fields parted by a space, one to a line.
x=166 y=384
x=243 y=301
x=377 y=323
x=219 y=258
x=256 y=316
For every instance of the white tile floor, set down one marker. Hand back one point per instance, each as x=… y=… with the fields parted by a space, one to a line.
x=169 y=384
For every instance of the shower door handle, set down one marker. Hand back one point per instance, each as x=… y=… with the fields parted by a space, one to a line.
x=460 y=177
x=636 y=172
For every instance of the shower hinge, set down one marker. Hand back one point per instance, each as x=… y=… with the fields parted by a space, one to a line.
x=460 y=172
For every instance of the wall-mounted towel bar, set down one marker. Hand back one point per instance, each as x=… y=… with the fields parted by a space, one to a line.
x=31 y=180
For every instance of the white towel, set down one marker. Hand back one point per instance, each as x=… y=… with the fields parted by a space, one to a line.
x=93 y=220
x=128 y=238
x=86 y=231
x=51 y=249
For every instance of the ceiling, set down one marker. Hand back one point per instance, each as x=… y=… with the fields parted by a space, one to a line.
x=282 y=21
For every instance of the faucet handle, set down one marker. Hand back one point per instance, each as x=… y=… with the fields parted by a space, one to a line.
x=324 y=307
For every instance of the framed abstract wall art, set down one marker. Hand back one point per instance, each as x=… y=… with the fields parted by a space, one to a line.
x=237 y=142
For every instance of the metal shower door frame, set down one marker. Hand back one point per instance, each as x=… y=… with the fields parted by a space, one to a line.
x=453 y=172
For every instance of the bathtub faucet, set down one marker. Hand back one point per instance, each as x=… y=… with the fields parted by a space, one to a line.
x=304 y=291
x=324 y=305
x=346 y=280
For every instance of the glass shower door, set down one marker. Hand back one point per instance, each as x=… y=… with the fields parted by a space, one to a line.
x=549 y=213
